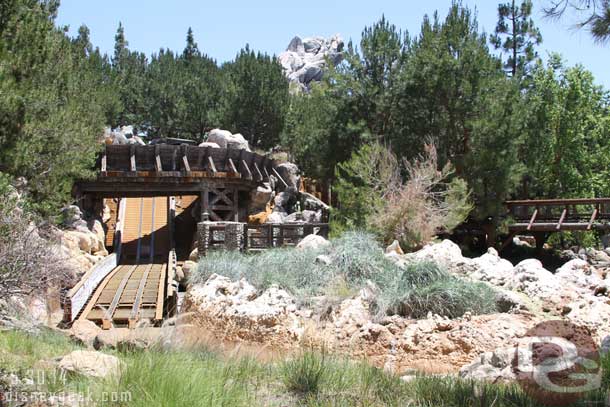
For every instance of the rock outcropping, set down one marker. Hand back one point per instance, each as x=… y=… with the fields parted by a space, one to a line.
x=305 y=60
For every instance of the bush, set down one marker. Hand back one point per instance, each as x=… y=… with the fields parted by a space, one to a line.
x=357 y=258
x=372 y=194
x=304 y=373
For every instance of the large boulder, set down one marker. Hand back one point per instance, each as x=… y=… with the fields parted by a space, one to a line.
x=91 y=364
x=260 y=198
x=84 y=332
x=312 y=242
x=291 y=174
x=305 y=60
x=491 y=366
x=237 y=311
x=224 y=139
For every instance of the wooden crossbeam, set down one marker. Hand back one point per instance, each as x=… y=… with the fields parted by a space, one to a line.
x=529 y=226
x=135 y=309
x=593 y=216
x=562 y=218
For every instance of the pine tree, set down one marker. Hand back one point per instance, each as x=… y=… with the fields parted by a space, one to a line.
x=517 y=35
x=191 y=50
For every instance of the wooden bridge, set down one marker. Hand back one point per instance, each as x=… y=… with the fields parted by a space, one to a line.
x=134 y=284
x=545 y=216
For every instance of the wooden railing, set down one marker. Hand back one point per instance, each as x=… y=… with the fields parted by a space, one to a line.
x=184 y=160
x=548 y=215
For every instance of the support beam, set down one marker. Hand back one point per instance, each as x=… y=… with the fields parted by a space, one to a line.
x=529 y=226
x=232 y=167
x=212 y=167
x=258 y=172
x=248 y=172
x=158 y=165
x=185 y=160
x=280 y=177
x=104 y=161
x=562 y=218
x=132 y=158
x=593 y=216
x=135 y=309
x=107 y=320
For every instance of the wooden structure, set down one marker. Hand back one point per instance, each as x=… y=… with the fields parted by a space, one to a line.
x=545 y=216
x=133 y=284
x=221 y=177
x=253 y=238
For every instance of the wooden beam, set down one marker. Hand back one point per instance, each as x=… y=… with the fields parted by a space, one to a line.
x=212 y=166
x=561 y=219
x=248 y=172
x=161 y=294
x=107 y=319
x=185 y=160
x=158 y=165
x=279 y=177
x=593 y=216
x=97 y=293
x=104 y=160
x=258 y=172
x=132 y=158
x=529 y=226
x=232 y=167
x=135 y=309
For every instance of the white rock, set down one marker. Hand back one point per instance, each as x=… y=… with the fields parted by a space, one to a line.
x=209 y=144
x=90 y=363
x=312 y=242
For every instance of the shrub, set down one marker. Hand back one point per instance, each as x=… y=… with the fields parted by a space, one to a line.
x=372 y=194
x=304 y=373
x=357 y=258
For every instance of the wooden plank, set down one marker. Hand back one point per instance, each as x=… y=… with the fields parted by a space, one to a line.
x=593 y=216
x=160 y=294
x=98 y=292
x=561 y=219
x=135 y=309
x=529 y=226
x=81 y=292
x=107 y=319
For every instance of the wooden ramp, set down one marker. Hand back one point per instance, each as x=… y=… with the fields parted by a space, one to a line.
x=135 y=290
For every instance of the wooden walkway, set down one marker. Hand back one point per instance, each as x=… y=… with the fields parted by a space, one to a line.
x=129 y=294
x=135 y=290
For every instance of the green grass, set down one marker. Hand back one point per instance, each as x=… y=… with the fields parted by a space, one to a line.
x=202 y=378
x=356 y=258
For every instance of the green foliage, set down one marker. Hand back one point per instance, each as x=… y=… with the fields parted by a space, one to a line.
x=255 y=98
x=157 y=377
x=303 y=374
x=54 y=98
x=516 y=35
x=356 y=260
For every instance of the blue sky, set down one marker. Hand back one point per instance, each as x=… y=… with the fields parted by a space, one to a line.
x=222 y=28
